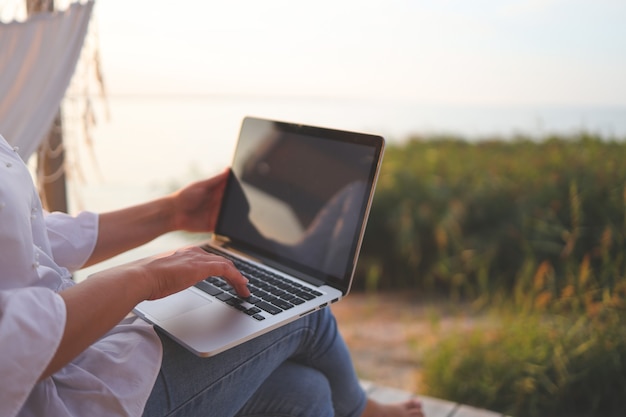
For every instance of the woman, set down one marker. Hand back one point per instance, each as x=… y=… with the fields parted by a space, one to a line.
x=74 y=350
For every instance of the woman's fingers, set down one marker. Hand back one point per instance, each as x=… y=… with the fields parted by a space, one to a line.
x=232 y=275
x=176 y=271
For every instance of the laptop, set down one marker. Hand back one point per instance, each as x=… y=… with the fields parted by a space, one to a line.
x=292 y=220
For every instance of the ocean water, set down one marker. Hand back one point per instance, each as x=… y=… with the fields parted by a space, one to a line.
x=161 y=139
x=151 y=145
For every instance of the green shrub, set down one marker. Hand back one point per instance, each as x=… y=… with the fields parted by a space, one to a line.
x=535 y=365
x=537 y=228
x=473 y=219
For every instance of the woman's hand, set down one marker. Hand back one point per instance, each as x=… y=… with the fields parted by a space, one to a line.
x=171 y=273
x=196 y=207
x=97 y=304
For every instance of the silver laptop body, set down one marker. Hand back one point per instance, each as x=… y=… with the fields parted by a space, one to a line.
x=294 y=209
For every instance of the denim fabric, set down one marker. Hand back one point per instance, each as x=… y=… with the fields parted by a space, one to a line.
x=302 y=369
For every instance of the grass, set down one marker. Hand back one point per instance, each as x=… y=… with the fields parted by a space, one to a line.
x=471 y=219
x=534 y=364
x=533 y=231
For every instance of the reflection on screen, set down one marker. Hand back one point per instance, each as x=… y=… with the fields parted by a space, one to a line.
x=297 y=198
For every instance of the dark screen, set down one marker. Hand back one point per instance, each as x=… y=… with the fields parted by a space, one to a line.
x=297 y=195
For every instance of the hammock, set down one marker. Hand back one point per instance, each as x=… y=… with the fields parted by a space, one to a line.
x=37 y=60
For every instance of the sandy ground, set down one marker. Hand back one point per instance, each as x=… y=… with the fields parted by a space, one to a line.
x=387 y=334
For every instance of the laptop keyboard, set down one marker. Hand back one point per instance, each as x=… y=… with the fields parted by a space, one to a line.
x=268 y=292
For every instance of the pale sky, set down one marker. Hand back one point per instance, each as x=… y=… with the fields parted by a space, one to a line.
x=562 y=52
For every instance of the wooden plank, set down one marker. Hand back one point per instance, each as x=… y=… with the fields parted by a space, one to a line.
x=467 y=411
x=433 y=407
x=368 y=386
x=389 y=395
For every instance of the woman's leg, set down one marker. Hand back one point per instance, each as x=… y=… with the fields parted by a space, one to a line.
x=292 y=390
x=222 y=385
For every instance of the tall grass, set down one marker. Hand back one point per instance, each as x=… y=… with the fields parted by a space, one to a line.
x=558 y=353
x=480 y=220
x=536 y=229
x=535 y=365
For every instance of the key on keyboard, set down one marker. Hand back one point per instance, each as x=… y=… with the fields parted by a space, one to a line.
x=269 y=292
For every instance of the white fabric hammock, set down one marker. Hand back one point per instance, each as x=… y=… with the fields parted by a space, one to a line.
x=37 y=60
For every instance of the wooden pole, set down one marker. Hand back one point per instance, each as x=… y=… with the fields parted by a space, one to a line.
x=51 y=163
x=51 y=154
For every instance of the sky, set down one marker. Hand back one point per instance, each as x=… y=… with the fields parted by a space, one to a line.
x=561 y=52
x=462 y=61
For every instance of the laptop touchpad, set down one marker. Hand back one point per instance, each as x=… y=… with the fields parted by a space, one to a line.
x=174 y=305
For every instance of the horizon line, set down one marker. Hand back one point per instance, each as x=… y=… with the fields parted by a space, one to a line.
x=279 y=96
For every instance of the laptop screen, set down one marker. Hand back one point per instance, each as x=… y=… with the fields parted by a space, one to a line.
x=298 y=196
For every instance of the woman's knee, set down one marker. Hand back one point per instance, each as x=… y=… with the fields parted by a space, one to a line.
x=293 y=390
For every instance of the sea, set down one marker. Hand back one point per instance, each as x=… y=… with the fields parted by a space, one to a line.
x=142 y=147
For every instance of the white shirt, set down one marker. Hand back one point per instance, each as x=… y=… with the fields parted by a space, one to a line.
x=113 y=377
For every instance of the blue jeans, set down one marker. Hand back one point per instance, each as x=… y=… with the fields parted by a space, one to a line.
x=299 y=370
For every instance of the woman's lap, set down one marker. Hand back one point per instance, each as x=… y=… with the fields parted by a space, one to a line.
x=291 y=390
x=292 y=368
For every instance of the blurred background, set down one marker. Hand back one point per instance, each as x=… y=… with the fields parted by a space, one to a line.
x=179 y=76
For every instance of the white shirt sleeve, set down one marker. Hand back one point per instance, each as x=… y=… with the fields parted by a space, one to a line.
x=32 y=321
x=72 y=239
x=115 y=375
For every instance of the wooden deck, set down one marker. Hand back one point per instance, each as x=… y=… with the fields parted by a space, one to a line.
x=433 y=407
